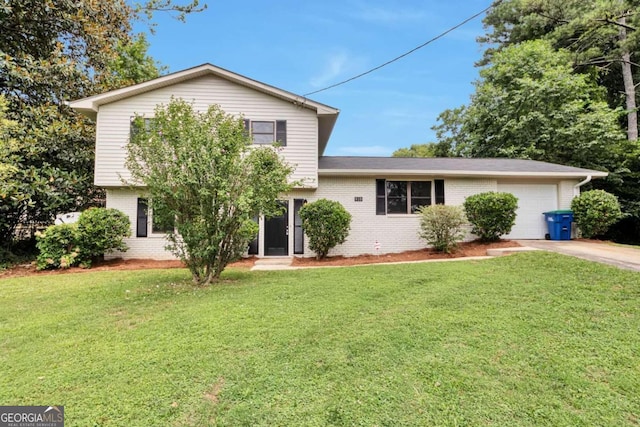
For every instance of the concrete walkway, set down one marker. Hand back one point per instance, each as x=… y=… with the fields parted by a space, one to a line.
x=621 y=256
x=282 y=263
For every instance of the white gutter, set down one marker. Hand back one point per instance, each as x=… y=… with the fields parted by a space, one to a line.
x=576 y=188
x=455 y=173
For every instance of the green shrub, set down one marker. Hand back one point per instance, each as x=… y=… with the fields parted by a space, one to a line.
x=326 y=223
x=58 y=247
x=595 y=211
x=442 y=226
x=101 y=231
x=98 y=231
x=491 y=214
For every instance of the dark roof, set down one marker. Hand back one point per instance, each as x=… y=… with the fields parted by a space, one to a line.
x=449 y=165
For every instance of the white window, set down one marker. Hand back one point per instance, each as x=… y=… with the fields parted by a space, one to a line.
x=267 y=132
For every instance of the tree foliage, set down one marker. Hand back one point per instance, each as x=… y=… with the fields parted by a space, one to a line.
x=600 y=34
x=97 y=232
x=491 y=214
x=529 y=104
x=326 y=223
x=602 y=42
x=201 y=172
x=595 y=211
x=54 y=51
x=418 y=150
x=442 y=226
x=101 y=231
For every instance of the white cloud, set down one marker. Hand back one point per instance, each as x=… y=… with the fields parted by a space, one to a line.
x=336 y=65
x=369 y=150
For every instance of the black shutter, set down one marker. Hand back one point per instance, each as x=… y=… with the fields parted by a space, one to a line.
x=253 y=245
x=142 y=221
x=298 y=233
x=281 y=132
x=439 y=183
x=381 y=203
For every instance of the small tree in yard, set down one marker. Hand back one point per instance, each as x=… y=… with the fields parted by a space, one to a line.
x=442 y=226
x=326 y=223
x=595 y=211
x=202 y=173
x=491 y=214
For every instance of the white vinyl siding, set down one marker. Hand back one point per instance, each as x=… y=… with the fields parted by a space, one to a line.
x=113 y=124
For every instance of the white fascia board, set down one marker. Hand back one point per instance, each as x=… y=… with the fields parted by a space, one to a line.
x=461 y=173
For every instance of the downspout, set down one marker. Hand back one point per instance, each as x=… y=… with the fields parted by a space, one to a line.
x=576 y=188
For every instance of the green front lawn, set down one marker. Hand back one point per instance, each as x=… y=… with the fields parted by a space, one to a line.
x=529 y=339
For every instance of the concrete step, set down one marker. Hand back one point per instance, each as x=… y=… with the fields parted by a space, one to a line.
x=274 y=261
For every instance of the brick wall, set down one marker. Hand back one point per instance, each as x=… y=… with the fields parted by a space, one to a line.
x=151 y=247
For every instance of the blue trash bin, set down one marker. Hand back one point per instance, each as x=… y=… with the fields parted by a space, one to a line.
x=559 y=224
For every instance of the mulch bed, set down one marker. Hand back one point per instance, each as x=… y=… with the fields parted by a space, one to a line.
x=466 y=249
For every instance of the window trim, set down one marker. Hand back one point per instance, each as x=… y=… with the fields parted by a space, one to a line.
x=272 y=133
x=148 y=220
x=132 y=119
x=142 y=214
x=436 y=195
x=298 y=231
x=279 y=131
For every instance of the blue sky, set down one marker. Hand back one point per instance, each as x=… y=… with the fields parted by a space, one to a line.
x=302 y=46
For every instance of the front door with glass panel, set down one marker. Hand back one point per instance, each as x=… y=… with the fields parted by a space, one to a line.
x=276 y=233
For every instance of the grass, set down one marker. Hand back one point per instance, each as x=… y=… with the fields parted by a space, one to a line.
x=529 y=339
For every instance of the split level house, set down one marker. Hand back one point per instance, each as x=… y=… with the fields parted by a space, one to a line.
x=381 y=193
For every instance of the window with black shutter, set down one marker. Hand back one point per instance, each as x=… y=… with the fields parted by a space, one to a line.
x=439 y=189
x=281 y=132
x=267 y=132
x=142 y=222
x=406 y=197
x=381 y=200
x=298 y=233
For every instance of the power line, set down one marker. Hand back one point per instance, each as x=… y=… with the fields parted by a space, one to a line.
x=439 y=36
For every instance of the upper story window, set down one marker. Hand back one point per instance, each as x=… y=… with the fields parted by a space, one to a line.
x=134 y=126
x=406 y=197
x=267 y=132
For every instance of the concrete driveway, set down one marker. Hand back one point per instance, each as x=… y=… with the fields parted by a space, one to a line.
x=621 y=256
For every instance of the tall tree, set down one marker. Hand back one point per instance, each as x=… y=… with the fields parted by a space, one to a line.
x=529 y=104
x=52 y=51
x=599 y=33
x=203 y=174
x=131 y=64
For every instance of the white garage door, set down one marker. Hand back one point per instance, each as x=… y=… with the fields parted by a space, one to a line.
x=533 y=200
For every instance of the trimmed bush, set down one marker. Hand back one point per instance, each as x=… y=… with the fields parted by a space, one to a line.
x=101 y=231
x=57 y=246
x=491 y=214
x=442 y=226
x=595 y=211
x=326 y=223
x=98 y=231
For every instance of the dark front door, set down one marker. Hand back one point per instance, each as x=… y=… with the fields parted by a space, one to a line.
x=276 y=233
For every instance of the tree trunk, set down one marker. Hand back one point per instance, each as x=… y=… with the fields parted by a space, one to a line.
x=629 y=88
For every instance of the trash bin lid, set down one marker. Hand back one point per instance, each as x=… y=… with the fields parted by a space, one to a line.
x=558 y=212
